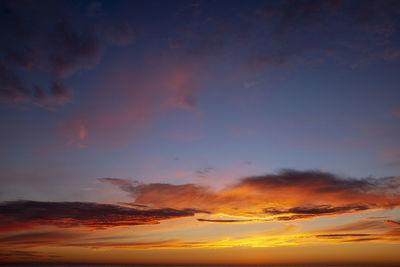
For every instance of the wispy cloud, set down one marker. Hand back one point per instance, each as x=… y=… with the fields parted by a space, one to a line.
x=361 y=231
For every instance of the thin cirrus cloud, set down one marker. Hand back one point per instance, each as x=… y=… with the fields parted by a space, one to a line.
x=158 y=88
x=286 y=195
x=361 y=231
x=282 y=33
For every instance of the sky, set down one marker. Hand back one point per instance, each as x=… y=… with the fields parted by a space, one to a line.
x=200 y=132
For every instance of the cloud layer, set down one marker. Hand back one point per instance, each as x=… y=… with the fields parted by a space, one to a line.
x=16 y=215
x=284 y=196
x=287 y=195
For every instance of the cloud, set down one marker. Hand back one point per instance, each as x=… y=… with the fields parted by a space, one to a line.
x=184 y=89
x=46 y=46
x=396 y=223
x=165 y=84
x=13 y=256
x=313 y=211
x=125 y=185
x=396 y=112
x=391 y=156
x=74 y=132
x=317 y=210
x=354 y=31
x=178 y=42
x=29 y=214
x=337 y=236
x=11 y=87
x=204 y=171
x=37 y=238
x=377 y=225
x=361 y=231
x=171 y=243
x=120 y=34
x=56 y=43
x=286 y=195
x=250 y=84
x=225 y=221
x=71 y=50
x=346 y=238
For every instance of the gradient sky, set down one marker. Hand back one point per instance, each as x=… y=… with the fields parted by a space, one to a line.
x=200 y=132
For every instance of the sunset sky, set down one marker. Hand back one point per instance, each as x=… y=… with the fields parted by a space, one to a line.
x=200 y=132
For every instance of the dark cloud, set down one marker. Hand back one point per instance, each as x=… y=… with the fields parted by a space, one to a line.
x=12 y=255
x=11 y=87
x=317 y=210
x=296 y=213
x=274 y=35
x=318 y=181
x=59 y=43
x=348 y=238
x=39 y=95
x=336 y=236
x=254 y=196
x=60 y=91
x=367 y=239
x=295 y=217
x=171 y=243
x=37 y=238
x=204 y=171
x=94 y=8
x=71 y=50
x=24 y=214
x=178 y=42
x=120 y=34
x=225 y=221
x=49 y=44
x=302 y=32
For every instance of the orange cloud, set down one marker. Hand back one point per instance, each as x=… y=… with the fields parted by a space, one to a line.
x=362 y=231
x=396 y=223
x=287 y=195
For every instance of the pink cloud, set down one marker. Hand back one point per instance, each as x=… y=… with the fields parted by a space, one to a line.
x=74 y=132
x=396 y=112
x=131 y=99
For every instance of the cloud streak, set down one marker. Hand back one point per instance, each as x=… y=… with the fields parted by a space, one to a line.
x=361 y=231
x=17 y=215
